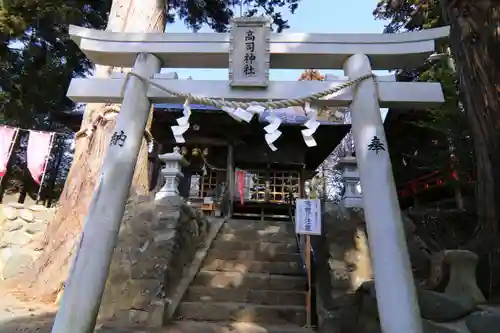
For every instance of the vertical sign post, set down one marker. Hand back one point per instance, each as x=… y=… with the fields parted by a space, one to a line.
x=249 y=52
x=308 y=222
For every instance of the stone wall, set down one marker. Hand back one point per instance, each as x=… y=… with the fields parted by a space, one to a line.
x=19 y=224
x=156 y=245
x=440 y=312
x=346 y=297
x=342 y=263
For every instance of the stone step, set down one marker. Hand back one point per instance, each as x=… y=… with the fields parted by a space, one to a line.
x=255 y=255
x=255 y=236
x=242 y=312
x=232 y=327
x=270 y=267
x=259 y=229
x=284 y=247
x=242 y=295
x=249 y=281
x=259 y=225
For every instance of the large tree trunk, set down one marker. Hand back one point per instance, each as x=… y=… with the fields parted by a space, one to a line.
x=46 y=277
x=475 y=43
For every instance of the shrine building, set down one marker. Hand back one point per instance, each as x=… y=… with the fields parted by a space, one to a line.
x=216 y=143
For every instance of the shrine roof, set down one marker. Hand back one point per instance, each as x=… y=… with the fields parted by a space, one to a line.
x=291 y=115
x=218 y=129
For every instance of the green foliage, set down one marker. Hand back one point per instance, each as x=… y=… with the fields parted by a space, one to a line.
x=409 y=15
x=217 y=13
x=447 y=126
x=450 y=121
x=38 y=59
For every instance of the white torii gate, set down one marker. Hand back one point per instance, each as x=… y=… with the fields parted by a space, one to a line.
x=358 y=54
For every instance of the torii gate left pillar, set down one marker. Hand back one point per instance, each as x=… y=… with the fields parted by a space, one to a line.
x=87 y=278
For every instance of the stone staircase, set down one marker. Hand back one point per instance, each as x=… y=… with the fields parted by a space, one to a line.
x=251 y=281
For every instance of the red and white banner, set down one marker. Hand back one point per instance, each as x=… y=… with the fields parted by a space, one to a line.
x=7 y=136
x=39 y=146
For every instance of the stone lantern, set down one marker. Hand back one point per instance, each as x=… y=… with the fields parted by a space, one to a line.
x=172 y=173
x=352 y=196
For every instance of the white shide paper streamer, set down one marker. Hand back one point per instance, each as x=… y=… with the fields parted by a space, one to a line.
x=241 y=114
x=182 y=123
x=272 y=131
x=246 y=115
x=312 y=125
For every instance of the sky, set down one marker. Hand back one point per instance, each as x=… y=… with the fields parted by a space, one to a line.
x=312 y=16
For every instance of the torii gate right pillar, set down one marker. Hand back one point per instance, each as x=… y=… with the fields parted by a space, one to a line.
x=396 y=296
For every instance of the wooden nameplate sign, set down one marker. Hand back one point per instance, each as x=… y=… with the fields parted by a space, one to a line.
x=249 y=56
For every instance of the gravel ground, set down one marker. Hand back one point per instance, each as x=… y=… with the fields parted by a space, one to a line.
x=16 y=316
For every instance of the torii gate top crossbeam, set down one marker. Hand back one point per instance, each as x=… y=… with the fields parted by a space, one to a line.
x=288 y=50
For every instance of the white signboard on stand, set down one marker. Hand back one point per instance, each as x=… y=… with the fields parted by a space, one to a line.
x=249 y=53
x=308 y=217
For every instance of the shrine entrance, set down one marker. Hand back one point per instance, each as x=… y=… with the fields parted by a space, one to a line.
x=251 y=50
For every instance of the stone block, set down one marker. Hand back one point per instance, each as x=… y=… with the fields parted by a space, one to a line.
x=148 y=269
x=164 y=236
x=26 y=215
x=12 y=225
x=339 y=274
x=18 y=237
x=434 y=306
x=138 y=316
x=368 y=323
x=440 y=307
x=37 y=208
x=9 y=212
x=345 y=299
x=36 y=227
x=16 y=205
x=15 y=264
x=156 y=313
x=484 y=322
x=454 y=327
x=349 y=256
x=462 y=283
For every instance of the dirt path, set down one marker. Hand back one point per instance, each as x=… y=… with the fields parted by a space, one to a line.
x=17 y=316
x=32 y=317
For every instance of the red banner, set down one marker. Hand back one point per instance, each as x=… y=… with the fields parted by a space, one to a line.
x=240 y=178
x=39 y=145
x=7 y=136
